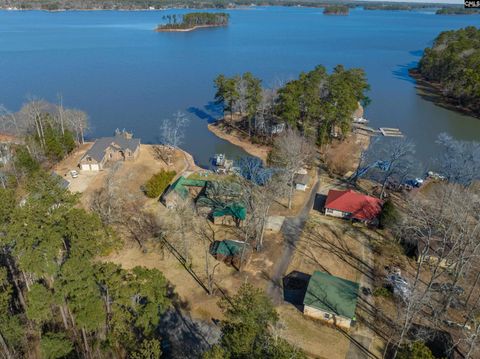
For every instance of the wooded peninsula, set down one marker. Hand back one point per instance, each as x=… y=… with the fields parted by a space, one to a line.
x=192 y=21
x=456 y=11
x=453 y=63
x=336 y=10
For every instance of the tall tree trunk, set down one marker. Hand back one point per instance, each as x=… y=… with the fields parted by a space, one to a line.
x=15 y=282
x=292 y=189
x=64 y=316
x=477 y=277
x=5 y=349
x=85 y=343
x=262 y=229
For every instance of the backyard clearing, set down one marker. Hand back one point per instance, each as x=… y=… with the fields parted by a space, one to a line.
x=130 y=176
x=339 y=248
x=314 y=338
x=227 y=279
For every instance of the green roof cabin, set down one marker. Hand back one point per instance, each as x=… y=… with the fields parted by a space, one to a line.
x=230 y=214
x=229 y=251
x=180 y=189
x=331 y=299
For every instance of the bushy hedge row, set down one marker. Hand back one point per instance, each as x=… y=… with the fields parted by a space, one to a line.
x=158 y=183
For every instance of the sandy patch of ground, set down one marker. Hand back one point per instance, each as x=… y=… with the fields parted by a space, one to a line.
x=315 y=339
x=238 y=139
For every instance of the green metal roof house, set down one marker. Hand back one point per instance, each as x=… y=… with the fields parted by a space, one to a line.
x=229 y=251
x=179 y=188
x=331 y=299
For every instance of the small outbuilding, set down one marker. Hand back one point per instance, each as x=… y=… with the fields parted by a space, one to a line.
x=301 y=181
x=331 y=299
x=229 y=251
x=180 y=190
x=353 y=205
x=229 y=215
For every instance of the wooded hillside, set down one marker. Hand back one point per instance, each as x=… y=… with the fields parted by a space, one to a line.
x=454 y=62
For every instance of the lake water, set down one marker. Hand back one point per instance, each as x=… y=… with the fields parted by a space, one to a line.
x=112 y=65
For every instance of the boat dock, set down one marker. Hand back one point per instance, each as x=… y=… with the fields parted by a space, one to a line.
x=384 y=131
x=391 y=132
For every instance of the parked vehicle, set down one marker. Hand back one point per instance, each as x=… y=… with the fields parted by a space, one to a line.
x=74 y=174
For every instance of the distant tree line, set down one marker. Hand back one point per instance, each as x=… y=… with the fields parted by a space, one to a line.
x=317 y=104
x=194 y=19
x=454 y=63
x=389 y=7
x=54 y=5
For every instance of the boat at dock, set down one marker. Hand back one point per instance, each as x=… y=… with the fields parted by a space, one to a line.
x=360 y=120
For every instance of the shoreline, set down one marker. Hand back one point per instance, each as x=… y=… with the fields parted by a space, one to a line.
x=188 y=29
x=432 y=91
x=257 y=150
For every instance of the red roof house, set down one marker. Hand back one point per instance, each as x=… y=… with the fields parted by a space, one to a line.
x=353 y=205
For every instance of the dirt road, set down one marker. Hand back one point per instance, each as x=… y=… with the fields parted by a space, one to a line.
x=291 y=229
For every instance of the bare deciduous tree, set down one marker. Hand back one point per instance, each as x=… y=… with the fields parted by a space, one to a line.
x=172 y=134
x=444 y=225
x=77 y=122
x=460 y=160
x=291 y=152
x=33 y=113
x=396 y=156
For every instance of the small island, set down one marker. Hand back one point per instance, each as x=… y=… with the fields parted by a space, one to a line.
x=193 y=21
x=450 y=69
x=456 y=11
x=336 y=10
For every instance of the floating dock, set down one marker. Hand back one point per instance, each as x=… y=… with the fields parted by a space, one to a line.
x=368 y=130
x=391 y=132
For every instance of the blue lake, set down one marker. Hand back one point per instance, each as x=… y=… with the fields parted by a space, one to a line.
x=112 y=65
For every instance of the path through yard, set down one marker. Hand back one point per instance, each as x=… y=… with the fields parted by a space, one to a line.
x=291 y=230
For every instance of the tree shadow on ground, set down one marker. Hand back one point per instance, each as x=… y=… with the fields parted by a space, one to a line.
x=294 y=288
x=182 y=335
x=334 y=243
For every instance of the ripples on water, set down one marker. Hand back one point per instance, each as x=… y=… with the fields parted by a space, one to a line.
x=114 y=66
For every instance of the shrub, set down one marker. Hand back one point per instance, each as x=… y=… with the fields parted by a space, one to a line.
x=158 y=182
x=416 y=350
x=389 y=216
x=24 y=161
x=382 y=292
